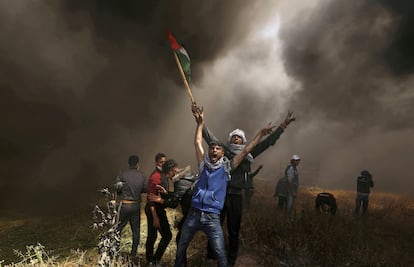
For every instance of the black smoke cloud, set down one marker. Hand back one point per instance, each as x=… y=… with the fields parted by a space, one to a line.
x=84 y=84
x=355 y=68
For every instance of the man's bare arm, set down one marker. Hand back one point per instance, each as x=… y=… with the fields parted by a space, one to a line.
x=198 y=138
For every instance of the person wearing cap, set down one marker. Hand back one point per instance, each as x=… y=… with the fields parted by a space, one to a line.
x=292 y=175
x=210 y=191
x=364 y=184
x=157 y=220
x=233 y=208
x=130 y=184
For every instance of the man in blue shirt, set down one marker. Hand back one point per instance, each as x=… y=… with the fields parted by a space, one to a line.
x=210 y=191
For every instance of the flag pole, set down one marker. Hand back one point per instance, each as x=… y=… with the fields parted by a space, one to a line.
x=187 y=86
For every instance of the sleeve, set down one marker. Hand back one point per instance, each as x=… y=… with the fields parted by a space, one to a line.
x=208 y=136
x=266 y=143
x=145 y=184
x=171 y=200
x=119 y=184
x=151 y=188
x=290 y=174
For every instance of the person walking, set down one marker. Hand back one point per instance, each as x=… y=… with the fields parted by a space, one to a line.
x=130 y=184
x=157 y=220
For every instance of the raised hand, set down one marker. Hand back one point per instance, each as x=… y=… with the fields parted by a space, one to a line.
x=193 y=107
x=161 y=189
x=267 y=129
x=289 y=118
x=198 y=112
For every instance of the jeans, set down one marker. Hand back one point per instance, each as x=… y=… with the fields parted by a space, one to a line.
x=233 y=210
x=290 y=202
x=131 y=213
x=210 y=224
x=361 y=199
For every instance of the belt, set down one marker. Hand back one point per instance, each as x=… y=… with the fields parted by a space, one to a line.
x=200 y=211
x=126 y=201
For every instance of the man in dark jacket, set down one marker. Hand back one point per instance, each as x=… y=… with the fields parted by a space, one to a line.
x=233 y=207
x=130 y=184
x=364 y=184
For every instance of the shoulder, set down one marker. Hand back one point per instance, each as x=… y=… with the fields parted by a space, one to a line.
x=290 y=168
x=155 y=173
x=141 y=173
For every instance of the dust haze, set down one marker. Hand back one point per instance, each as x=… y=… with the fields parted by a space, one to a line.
x=84 y=84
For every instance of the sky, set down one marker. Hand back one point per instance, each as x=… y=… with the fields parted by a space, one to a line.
x=86 y=83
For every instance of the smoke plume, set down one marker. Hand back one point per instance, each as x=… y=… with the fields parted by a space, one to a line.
x=84 y=84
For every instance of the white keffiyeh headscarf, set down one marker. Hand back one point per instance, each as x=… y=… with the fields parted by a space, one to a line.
x=236 y=149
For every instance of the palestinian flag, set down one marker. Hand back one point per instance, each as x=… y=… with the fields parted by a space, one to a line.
x=182 y=55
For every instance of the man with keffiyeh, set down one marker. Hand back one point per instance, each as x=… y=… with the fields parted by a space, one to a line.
x=233 y=207
x=210 y=191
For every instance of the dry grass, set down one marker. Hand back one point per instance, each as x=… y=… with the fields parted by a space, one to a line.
x=385 y=237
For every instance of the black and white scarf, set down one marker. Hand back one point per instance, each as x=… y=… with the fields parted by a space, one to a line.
x=215 y=165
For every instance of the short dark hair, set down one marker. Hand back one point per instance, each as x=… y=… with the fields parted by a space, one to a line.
x=159 y=156
x=215 y=143
x=169 y=165
x=366 y=174
x=133 y=160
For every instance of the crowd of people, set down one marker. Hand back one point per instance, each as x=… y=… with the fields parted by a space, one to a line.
x=211 y=195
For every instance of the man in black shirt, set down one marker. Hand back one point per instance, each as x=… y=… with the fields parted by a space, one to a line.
x=130 y=184
x=364 y=184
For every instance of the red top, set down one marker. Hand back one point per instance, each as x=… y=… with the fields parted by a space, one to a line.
x=153 y=181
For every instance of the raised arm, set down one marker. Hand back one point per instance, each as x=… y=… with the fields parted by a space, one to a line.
x=239 y=157
x=198 y=138
x=273 y=137
x=208 y=135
